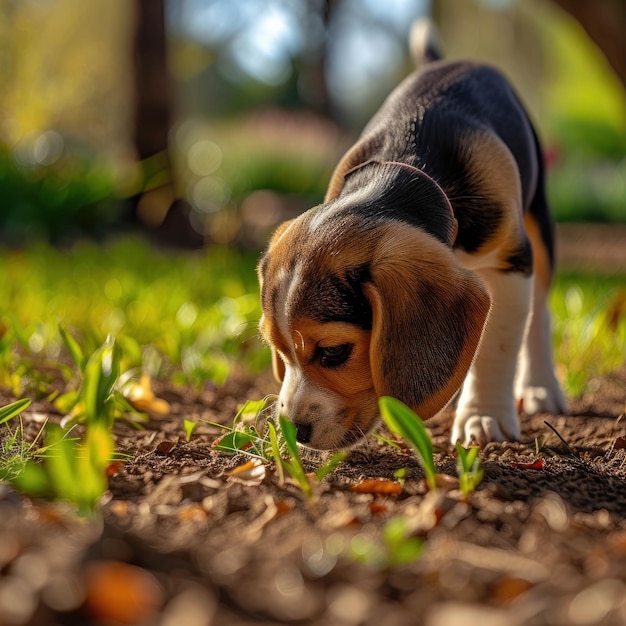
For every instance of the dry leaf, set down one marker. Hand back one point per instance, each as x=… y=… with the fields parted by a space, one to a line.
x=617 y=542
x=283 y=506
x=119 y=508
x=142 y=398
x=165 y=447
x=159 y=407
x=377 y=487
x=539 y=464
x=446 y=482
x=620 y=443
x=114 y=468
x=251 y=473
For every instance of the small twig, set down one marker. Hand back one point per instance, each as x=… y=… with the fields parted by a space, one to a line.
x=558 y=434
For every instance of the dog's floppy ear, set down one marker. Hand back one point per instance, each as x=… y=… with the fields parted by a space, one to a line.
x=263 y=267
x=428 y=315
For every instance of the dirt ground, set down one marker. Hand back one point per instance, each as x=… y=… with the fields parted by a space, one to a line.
x=184 y=540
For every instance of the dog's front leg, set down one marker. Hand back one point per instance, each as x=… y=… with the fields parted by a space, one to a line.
x=486 y=409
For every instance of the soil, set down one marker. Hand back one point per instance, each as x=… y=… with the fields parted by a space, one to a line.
x=184 y=540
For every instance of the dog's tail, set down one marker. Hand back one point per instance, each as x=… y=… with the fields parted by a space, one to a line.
x=424 y=42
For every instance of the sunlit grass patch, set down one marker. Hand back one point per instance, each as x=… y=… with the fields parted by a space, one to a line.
x=189 y=316
x=589 y=323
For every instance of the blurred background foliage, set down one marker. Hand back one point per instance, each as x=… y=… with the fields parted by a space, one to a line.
x=212 y=120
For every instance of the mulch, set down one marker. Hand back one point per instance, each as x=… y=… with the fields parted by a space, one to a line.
x=183 y=539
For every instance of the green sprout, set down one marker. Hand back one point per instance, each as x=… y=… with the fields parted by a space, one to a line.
x=272 y=444
x=189 y=427
x=243 y=437
x=468 y=468
x=67 y=468
x=294 y=465
x=396 y=547
x=401 y=420
x=99 y=397
x=63 y=468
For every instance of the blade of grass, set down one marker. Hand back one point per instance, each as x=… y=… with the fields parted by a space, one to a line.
x=11 y=410
x=403 y=421
x=271 y=429
x=72 y=347
x=235 y=442
x=326 y=469
x=101 y=374
x=294 y=465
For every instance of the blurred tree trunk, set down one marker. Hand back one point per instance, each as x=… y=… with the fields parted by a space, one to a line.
x=313 y=86
x=157 y=205
x=605 y=23
x=153 y=105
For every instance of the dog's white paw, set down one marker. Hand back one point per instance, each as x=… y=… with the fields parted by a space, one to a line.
x=481 y=429
x=538 y=399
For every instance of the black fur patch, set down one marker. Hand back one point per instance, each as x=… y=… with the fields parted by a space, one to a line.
x=400 y=194
x=331 y=298
x=521 y=260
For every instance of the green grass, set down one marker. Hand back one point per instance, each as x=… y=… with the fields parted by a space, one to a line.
x=589 y=327
x=185 y=316
x=67 y=468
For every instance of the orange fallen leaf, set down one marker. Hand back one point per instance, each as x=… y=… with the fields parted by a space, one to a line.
x=252 y=472
x=192 y=512
x=121 y=593
x=620 y=443
x=282 y=507
x=377 y=487
x=377 y=508
x=142 y=398
x=617 y=542
x=114 y=468
x=242 y=469
x=509 y=588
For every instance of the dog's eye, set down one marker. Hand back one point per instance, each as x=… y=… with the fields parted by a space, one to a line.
x=334 y=356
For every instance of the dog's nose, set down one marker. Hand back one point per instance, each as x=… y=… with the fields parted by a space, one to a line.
x=303 y=432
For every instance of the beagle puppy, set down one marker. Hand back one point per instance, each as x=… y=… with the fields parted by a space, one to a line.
x=425 y=270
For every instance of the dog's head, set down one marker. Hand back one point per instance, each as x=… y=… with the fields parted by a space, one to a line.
x=357 y=305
